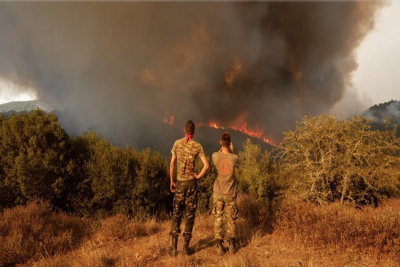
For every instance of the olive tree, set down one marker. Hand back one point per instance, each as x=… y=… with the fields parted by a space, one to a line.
x=344 y=160
x=33 y=156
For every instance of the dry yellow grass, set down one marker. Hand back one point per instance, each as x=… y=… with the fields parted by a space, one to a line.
x=120 y=242
x=34 y=231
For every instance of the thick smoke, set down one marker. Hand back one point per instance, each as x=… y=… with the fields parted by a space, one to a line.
x=115 y=63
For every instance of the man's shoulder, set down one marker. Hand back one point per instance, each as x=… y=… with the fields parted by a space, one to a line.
x=197 y=144
x=216 y=154
x=234 y=157
x=178 y=141
x=191 y=145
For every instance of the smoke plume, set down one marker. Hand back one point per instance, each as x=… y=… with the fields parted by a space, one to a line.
x=266 y=64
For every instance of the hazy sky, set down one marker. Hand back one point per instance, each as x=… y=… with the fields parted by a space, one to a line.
x=378 y=74
x=376 y=80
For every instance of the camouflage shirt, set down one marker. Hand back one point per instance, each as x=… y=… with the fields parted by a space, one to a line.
x=186 y=154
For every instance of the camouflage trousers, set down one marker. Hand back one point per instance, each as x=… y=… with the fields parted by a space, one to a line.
x=184 y=205
x=225 y=211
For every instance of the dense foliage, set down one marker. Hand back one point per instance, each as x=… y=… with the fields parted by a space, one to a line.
x=107 y=180
x=85 y=175
x=332 y=160
x=323 y=160
x=33 y=158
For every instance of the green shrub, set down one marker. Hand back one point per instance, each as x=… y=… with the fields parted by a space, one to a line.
x=109 y=180
x=33 y=157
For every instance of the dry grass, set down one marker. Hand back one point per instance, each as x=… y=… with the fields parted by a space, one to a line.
x=33 y=231
x=373 y=231
x=305 y=235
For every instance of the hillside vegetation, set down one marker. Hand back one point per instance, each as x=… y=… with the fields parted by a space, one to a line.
x=19 y=106
x=303 y=234
x=329 y=189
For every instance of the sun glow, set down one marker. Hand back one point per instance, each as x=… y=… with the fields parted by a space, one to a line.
x=11 y=92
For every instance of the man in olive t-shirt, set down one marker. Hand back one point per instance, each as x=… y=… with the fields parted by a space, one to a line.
x=185 y=151
x=224 y=194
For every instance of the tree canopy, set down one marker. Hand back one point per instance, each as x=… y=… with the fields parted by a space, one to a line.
x=332 y=160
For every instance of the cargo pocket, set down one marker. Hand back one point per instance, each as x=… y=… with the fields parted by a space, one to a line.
x=234 y=212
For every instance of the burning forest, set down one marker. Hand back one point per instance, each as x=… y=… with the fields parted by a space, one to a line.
x=254 y=67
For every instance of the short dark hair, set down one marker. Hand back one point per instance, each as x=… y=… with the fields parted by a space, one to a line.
x=189 y=127
x=225 y=139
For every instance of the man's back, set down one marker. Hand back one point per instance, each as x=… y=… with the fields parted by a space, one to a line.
x=225 y=163
x=186 y=154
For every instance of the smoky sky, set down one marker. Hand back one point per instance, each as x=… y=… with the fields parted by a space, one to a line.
x=114 y=63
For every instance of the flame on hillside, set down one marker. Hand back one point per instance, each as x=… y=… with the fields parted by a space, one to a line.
x=243 y=128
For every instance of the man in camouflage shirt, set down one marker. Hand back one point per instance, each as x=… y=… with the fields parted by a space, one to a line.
x=224 y=194
x=184 y=154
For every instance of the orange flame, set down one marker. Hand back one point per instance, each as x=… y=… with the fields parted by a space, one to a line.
x=231 y=75
x=257 y=133
x=170 y=120
x=243 y=128
x=210 y=124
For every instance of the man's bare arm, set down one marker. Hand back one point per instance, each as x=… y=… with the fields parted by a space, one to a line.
x=171 y=174
x=205 y=167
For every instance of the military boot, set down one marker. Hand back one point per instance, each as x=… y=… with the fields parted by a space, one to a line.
x=232 y=246
x=220 y=247
x=173 y=249
x=186 y=250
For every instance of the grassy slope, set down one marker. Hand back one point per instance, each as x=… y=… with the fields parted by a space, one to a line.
x=118 y=242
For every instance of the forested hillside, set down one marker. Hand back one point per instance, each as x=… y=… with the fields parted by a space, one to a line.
x=379 y=113
x=323 y=188
x=144 y=132
x=18 y=106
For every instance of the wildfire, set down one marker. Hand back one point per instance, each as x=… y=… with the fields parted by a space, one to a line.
x=243 y=128
x=210 y=124
x=257 y=133
x=234 y=71
x=169 y=120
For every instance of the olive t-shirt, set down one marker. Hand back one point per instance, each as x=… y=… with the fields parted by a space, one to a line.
x=225 y=164
x=186 y=154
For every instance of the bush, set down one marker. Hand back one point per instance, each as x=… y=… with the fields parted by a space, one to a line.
x=33 y=157
x=109 y=180
x=205 y=186
x=329 y=160
x=34 y=231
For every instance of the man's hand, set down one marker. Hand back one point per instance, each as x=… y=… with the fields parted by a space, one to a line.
x=232 y=149
x=172 y=187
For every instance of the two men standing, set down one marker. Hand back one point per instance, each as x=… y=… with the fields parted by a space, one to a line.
x=184 y=154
